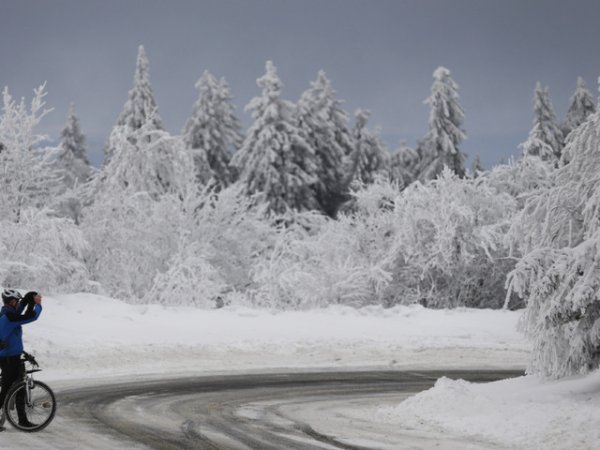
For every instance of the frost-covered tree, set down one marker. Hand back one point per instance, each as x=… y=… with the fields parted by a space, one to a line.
x=520 y=178
x=559 y=276
x=440 y=146
x=140 y=106
x=72 y=160
x=144 y=160
x=403 y=164
x=373 y=158
x=581 y=105
x=324 y=123
x=545 y=138
x=213 y=131
x=27 y=175
x=134 y=219
x=36 y=247
x=275 y=162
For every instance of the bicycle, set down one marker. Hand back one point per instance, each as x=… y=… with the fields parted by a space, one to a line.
x=31 y=400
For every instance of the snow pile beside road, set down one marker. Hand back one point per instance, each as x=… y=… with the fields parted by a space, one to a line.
x=83 y=334
x=523 y=413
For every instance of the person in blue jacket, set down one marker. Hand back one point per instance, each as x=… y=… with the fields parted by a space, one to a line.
x=16 y=311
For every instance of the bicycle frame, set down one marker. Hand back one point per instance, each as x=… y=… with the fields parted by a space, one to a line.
x=29 y=383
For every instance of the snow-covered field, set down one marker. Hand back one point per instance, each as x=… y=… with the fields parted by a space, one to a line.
x=81 y=338
x=84 y=335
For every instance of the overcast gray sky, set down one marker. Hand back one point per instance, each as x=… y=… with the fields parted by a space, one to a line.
x=379 y=54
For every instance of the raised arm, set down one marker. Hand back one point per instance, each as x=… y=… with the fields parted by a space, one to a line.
x=31 y=314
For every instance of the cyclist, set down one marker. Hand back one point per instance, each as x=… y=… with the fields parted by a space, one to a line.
x=16 y=311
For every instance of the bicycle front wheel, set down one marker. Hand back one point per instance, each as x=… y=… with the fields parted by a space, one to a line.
x=30 y=411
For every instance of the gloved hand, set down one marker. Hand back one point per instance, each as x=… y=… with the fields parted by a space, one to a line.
x=29 y=298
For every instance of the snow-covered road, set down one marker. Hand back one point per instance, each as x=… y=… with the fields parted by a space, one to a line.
x=266 y=411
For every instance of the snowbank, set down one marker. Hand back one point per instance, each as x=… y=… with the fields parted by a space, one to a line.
x=522 y=413
x=89 y=335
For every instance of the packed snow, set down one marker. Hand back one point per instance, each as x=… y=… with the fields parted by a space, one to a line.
x=521 y=413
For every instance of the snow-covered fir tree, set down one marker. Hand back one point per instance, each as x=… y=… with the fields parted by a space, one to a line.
x=545 y=138
x=275 y=162
x=477 y=166
x=581 y=105
x=324 y=122
x=213 y=131
x=140 y=105
x=403 y=164
x=559 y=275
x=440 y=146
x=72 y=159
x=73 y=166
x=373 y=157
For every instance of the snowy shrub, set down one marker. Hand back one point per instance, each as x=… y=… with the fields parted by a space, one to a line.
x=559 y=275
x=323 y=262
x=232 y=232
x=131 y=240
x=521 y=177
x=449 y=243
x=171 y=250
x=42 y=252
x=523 y=180
x=189 y=280
x=440 y=244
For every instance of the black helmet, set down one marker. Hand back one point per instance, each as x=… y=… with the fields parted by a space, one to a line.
x=10 y=294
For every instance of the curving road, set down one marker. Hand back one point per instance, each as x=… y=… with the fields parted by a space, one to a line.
x=270 y=411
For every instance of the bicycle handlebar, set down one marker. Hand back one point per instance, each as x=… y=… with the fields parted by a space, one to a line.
x=30 y=359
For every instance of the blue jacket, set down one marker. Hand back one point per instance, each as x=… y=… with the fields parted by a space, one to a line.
x=11 y=333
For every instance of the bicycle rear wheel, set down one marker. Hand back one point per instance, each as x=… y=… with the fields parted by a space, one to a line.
x=37 y=411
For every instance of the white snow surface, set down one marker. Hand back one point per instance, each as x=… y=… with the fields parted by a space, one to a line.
x=85 y=335
x=521 y=413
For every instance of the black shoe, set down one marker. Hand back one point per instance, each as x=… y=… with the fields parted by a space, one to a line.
x=26 y=424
